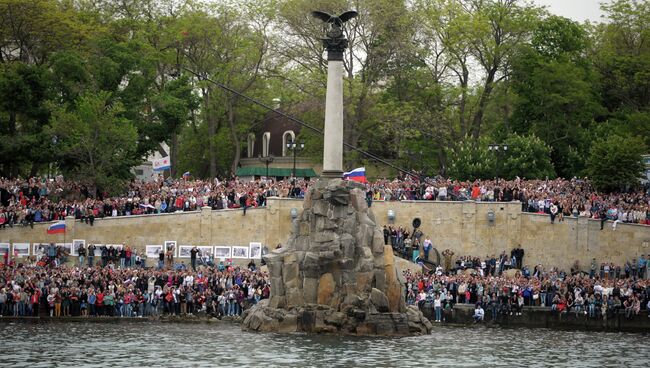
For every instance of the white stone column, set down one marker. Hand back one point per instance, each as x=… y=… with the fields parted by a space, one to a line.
x=333 y=144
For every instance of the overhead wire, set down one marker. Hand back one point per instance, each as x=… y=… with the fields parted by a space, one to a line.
x=298 y=121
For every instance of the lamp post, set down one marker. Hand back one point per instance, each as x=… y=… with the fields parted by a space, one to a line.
x=497 y=148
x=55 y=140
x=267 y=160
x=295 y=146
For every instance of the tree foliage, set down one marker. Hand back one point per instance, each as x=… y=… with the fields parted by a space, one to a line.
x=428 y=83
x=94 y=141
x=615 y=162
x=525 y=157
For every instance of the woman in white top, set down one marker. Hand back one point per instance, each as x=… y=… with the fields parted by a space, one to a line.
x=437 y=306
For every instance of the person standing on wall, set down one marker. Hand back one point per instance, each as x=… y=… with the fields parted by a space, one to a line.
x=386 y=235
x=170 y=256
x=161 y=259
x=427 y=248
x=193 y=254
x=82 y=254
x=520 y=257
x=91 y=254
x=554 y=211
x=592 y=270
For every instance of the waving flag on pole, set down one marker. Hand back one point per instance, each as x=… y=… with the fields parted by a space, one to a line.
x=58 y=228
x=358 y=174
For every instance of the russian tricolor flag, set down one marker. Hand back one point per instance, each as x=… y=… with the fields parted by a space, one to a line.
x=58 y=228
x=356 y=175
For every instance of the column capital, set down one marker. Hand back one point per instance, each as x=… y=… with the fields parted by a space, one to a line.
x=335 y=48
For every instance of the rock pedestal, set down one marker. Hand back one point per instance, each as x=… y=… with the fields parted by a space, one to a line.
x=334 y=274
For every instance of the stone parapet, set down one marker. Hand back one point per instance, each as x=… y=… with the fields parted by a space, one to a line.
x=463 y=227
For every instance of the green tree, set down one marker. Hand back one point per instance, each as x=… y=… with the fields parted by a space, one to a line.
x=174 y=106
x=24 y=91
x=527 y=157
x=470 y=161
x=615 y=162
x=96 y=145
x=220 y=43
x=556 y=96
x=622 y=58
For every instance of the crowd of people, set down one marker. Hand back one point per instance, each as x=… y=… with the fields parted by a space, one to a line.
x=39 y=200
x=25 y=202
x=62 y=291
x=600 y=291
x=557 y=197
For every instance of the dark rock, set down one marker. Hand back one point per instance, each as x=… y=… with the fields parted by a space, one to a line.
x=380 y=300
x=359 y=314
x=306 y=321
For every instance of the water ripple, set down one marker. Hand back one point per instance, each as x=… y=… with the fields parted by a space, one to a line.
x=52 y=344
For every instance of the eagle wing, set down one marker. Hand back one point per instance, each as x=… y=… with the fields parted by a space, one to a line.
x=322 y=16
x=348 y=15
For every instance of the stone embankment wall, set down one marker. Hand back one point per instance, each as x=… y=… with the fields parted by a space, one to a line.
x=539 y=317
x=463 y=227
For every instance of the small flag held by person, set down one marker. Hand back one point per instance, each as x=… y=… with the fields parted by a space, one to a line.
x=58 y=228
x=186 y=175
x=358 y=174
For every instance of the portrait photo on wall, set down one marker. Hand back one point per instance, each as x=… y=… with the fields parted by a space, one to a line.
x=222 y=252
x=21 y=249
x=255 y=250
x=184 y=251
x=67 y=247
x=76 y=244
x=98 y=250
x=204 y=250
x=153 y=251
x=239 y=252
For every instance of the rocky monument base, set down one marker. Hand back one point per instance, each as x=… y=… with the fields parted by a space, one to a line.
x=334 y=274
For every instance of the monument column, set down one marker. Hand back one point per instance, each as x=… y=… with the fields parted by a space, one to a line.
x=333 y=144
x=335 y=44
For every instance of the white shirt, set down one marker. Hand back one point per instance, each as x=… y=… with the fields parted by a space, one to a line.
x=478 y=312
x=598 y=289
x=189 y=280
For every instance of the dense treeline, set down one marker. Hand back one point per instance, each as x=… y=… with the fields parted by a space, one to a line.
x=87 y=87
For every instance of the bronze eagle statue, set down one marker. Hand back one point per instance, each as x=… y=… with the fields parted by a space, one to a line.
x=328 y=18
x=335 y=22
